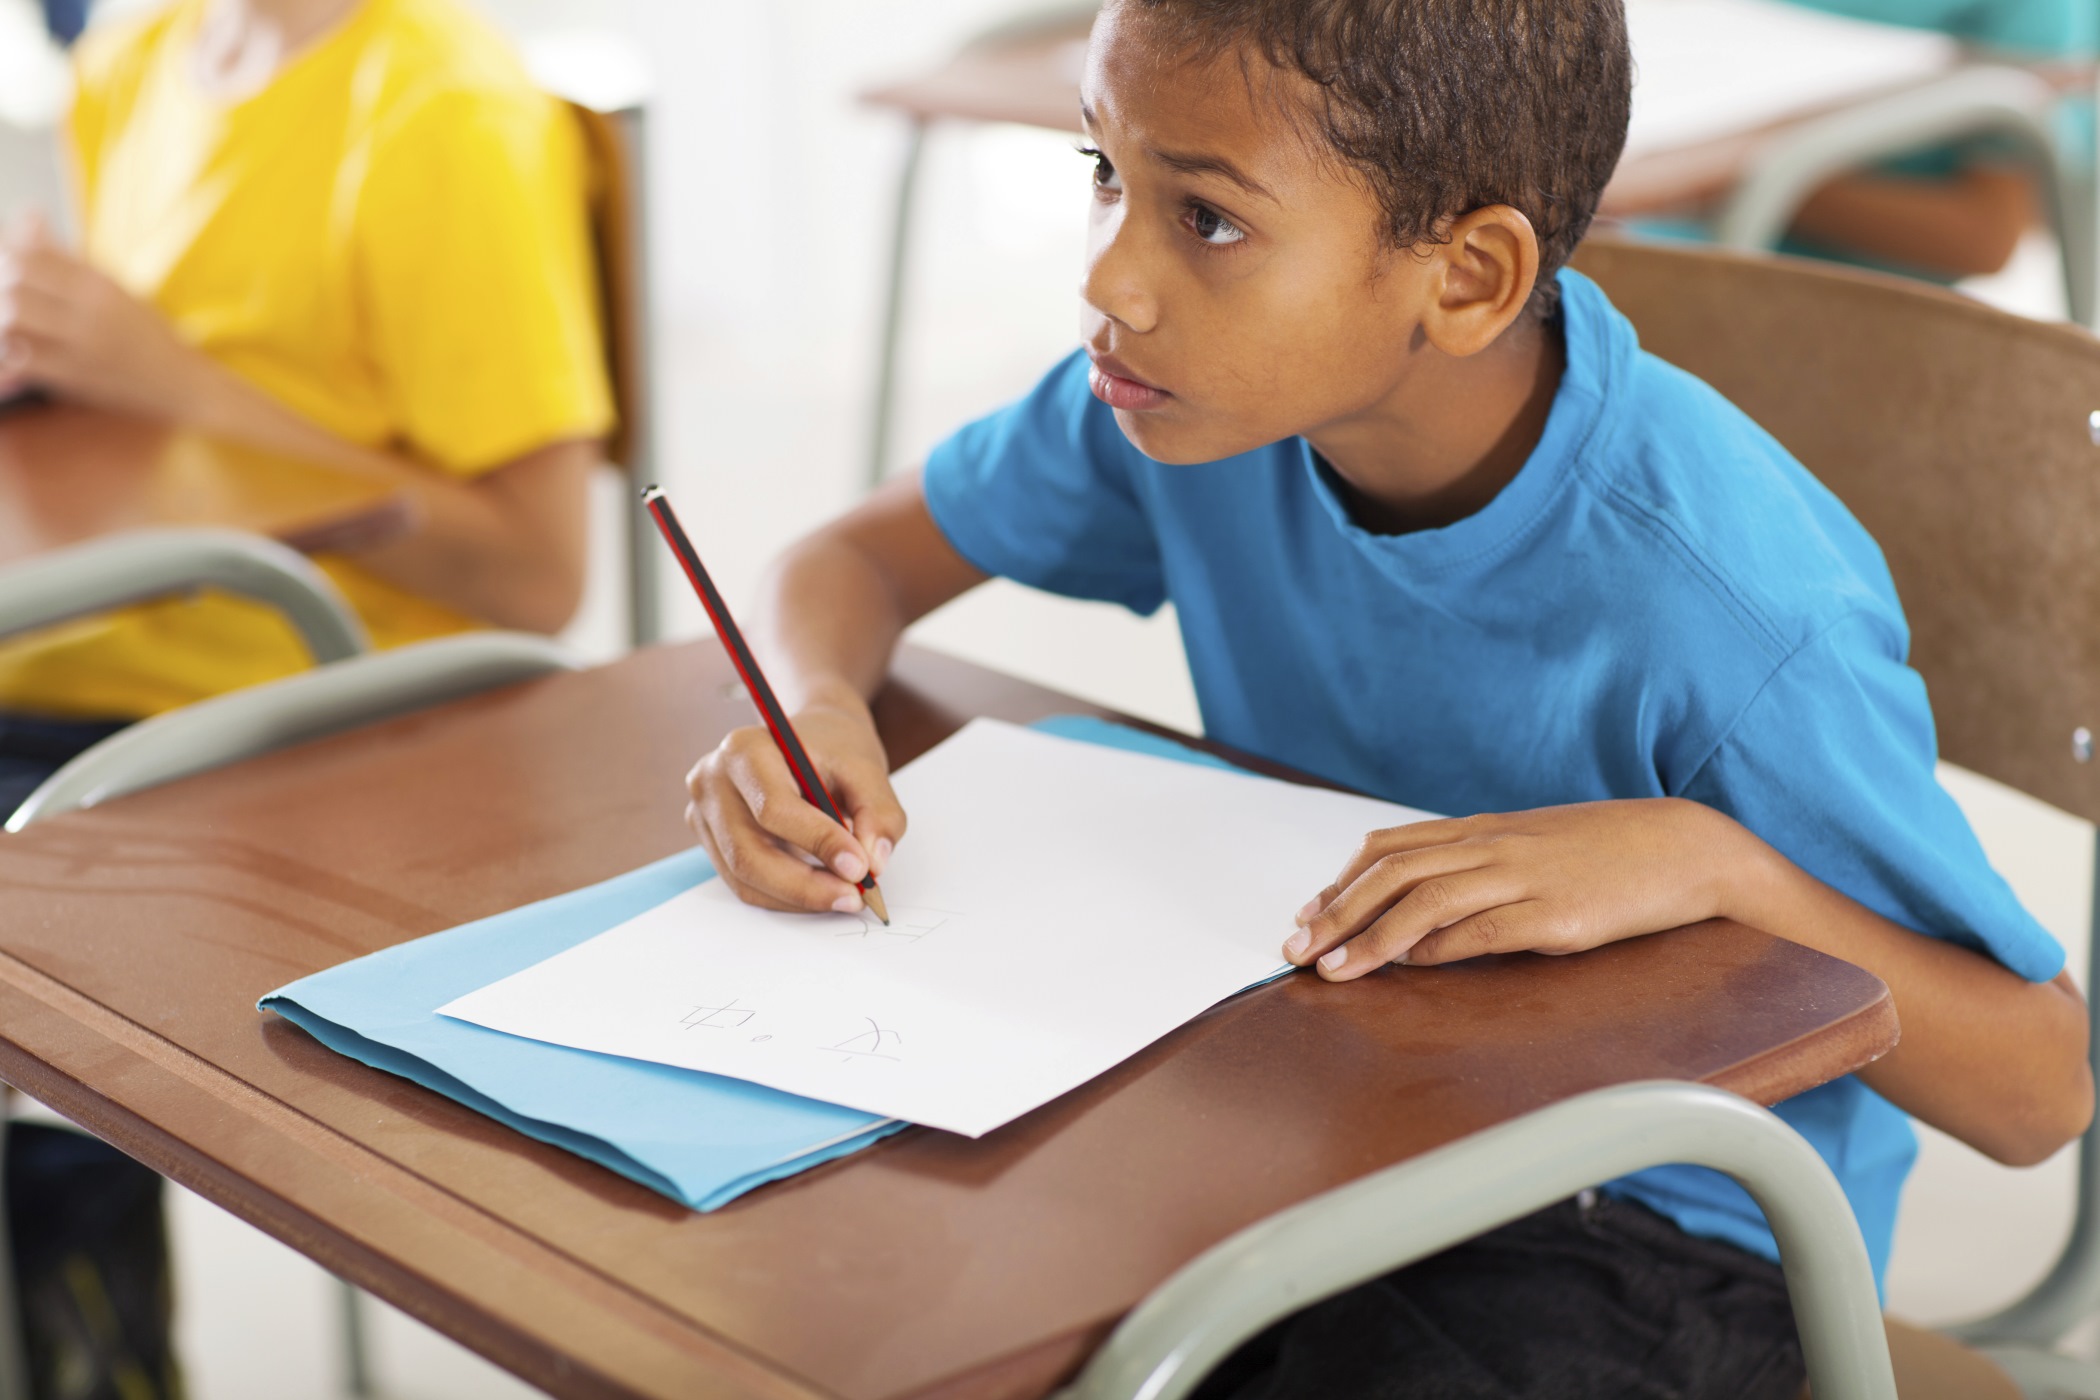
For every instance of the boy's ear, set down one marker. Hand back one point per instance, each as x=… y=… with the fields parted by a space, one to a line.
x=1483 y=279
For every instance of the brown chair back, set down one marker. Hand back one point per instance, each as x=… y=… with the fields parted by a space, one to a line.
x=1960 y=436
x=615 y=195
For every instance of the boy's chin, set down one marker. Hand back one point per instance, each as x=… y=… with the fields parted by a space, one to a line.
x=1180 y=443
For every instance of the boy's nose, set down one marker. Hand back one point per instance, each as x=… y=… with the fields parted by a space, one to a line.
x=1114 y=284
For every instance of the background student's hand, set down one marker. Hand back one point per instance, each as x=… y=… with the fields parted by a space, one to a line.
x=1554 y=880
x=69 y=328
x=763 y=835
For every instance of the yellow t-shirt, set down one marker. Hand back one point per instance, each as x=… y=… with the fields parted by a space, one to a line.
x=392 y=239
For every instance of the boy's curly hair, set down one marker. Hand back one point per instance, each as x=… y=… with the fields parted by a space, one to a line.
x=1444 y=106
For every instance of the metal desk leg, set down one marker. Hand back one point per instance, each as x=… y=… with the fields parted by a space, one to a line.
x=892 y=329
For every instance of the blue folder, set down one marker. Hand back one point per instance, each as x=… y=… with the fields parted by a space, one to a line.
x=698 y=1138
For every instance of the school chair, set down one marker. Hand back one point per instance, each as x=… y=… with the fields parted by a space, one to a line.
x=246 y=724
x=2014 y=105
x=139 y=565
x=1965 y=440
x=311 y=705
x=619 y=226
x=1410 y=1211
x=605 y=85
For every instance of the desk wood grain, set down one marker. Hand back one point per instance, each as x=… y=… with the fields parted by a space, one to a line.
x=134 y=940
x=72 y=474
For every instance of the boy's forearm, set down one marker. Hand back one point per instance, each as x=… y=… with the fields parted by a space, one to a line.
x=833 y=608
x=828 y=623
x=506 y=546
x=1987 y=1056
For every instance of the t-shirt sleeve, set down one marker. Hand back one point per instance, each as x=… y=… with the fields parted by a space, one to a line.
x=477 y=276
x=1833 y=763
x=1044 y=492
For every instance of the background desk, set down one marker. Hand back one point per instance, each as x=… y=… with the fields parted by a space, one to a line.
x=136 y=937
x=72 y=474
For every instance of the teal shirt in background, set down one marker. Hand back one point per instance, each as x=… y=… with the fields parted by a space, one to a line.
x=2014 y=29
x=1662 y=602
x=2019 y=28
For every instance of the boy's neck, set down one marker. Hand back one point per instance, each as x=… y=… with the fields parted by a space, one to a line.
x=242 y=43
x=1456 y=433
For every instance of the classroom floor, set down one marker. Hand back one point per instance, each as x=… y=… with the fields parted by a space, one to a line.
x=771 y=191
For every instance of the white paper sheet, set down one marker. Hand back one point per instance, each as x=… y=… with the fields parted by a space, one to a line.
x=1056 y=907
x=1710 y=68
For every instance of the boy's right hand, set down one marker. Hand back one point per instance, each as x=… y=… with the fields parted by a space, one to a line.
x=773 y=848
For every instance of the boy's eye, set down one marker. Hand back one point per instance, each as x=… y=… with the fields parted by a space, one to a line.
x=1212 y=227
x=1105 y=177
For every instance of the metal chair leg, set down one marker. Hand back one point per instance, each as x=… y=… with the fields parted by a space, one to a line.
x=891 y=334
x=357 y=1347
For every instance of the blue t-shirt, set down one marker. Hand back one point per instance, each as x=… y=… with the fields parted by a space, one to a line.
x=1662 y=602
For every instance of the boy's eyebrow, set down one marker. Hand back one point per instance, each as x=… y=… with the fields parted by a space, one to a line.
x=1193 y=164
x=1211 y=165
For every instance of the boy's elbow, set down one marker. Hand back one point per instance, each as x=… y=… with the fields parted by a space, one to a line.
x=2051 y=1124
x=550 y=603
x=2058 y=1107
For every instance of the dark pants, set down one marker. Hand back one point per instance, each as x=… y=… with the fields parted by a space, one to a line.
x=32 y=749
x=85 y=1226
x=65 y=19
x=1593 y=1299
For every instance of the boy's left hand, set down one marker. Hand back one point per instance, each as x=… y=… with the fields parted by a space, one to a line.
x=68 y=327
x=1554 y=880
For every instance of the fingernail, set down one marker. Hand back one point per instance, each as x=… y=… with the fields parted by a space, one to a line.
x=847 y=903
x=883 y=847
x=1334 y=960
x=1312 y=907
x=849 y=866
x=1295 y=947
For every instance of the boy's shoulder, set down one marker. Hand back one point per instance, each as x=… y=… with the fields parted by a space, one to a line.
x=440 y=56
x=1722 y=503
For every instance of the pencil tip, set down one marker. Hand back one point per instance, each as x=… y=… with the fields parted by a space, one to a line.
x=873 y=898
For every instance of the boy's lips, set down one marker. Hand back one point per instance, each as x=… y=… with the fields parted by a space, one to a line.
x=1115 y=386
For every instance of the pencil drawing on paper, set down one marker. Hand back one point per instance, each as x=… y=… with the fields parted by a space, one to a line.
x=720 y=1017
x=874 y=1043
x=908 y=924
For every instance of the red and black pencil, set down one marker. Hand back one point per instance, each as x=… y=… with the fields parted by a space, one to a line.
x=784 y=736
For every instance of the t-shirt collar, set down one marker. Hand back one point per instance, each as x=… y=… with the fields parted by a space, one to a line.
x=1598 y=343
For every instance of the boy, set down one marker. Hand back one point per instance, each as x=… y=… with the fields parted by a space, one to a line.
x=1435 y=527
x=349 y=230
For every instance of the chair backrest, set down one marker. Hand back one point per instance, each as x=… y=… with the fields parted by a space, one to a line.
x=615 y=143
x=277 y=714
x=1961 y=437
x=136 y=565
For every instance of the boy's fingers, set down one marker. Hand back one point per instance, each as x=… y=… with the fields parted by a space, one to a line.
x=1398 y=840
x=1434 y=903
x=1390 y=880
x=877 y=818
x=759 y=870
x=762 y=778
x=1510 y=928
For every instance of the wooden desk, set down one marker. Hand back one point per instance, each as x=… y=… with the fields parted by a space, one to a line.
x=72 y=474
x=136 y=937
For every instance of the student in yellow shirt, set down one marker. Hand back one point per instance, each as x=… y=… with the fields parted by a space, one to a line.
x=350 y=230
x=344 y=229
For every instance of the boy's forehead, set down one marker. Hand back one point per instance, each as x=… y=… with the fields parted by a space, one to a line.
x=1142 y=87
